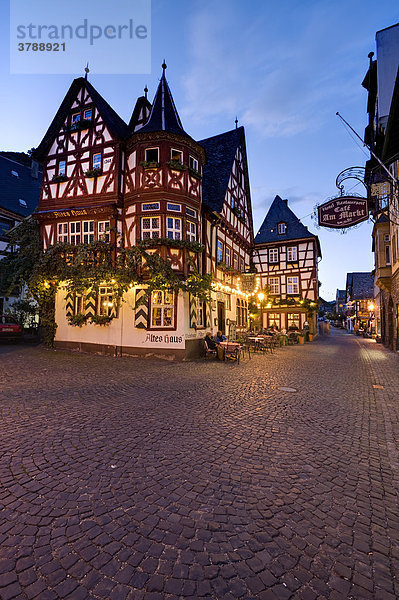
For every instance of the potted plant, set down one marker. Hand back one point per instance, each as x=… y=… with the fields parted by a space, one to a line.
x=77 y=320
x=101 y=319
x=147 y=164
x=176 y=165
x=194 y=173
x=59 y=178
x=93 y=172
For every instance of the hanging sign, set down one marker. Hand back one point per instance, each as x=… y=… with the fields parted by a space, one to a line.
x=342 y=212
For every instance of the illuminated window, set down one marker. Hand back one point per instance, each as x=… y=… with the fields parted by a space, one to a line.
x=191 y=231
x=103 y=231
x=274 y=320
x=105 y=301
x=88 y=114
x=176 y=155
x=162 y=309
x=274 y=283
x=150 y=228
x=173 y=228
x=228 y=256
x=79 y=304
x=292 y=254
x=273 y=255
x=281 y=228
x=62 y=232
x=235 y=261
x=292 y=285
x=75 y=232
x=293 y=320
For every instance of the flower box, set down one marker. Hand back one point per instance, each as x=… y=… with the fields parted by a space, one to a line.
x=94 y=173
x=77 y=320
x=150 y=164
x=101 y=319
x=194 y=173
x=176 y=165
x=59 y=179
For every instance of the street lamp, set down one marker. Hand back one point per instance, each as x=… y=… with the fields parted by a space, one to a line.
x=261 y=297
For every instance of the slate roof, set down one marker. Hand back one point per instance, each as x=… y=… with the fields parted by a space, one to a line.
x=141 y=103
x=220 y=152
x=360 y=285
x=13 y=188
x=279 y=212
x=163 y=115
x=341 y=294
x=113 y=121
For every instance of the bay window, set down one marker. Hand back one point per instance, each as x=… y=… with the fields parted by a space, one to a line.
x=191 y=231
x=173 y=228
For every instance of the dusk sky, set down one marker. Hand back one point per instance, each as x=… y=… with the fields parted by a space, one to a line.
x=284 y=68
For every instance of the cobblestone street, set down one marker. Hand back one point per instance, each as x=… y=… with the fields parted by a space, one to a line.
x=124 y=478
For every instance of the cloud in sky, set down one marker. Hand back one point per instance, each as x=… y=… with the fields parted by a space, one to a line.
x=280 y=80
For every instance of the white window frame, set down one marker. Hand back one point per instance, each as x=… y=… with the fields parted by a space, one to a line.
x=173 y=207
x=293 y=284
x=292 y=254
x=163 y=302
x=153 y=205
x=388 y=260
x=191 y=231
x=63 y=235
x=88 y=232
x=154 y=229
x=105 y=300
x=176 y=151
x=274 y=318
x=281 y=228
x=173 y=231
x=193 y=163
x=190 y=212
x=146 y=156
x=219 y=251
x=75 y=232
x=295 y=319
x=201 y=314
x=235 y=261
x=273 y=256
x=274 y=284
x=228 y=256
x=103 y=229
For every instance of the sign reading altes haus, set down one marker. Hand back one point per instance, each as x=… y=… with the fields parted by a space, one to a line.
x=344 y=211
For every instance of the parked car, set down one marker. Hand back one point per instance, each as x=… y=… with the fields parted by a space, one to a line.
x=9 y=328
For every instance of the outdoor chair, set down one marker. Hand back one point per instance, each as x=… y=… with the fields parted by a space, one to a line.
x=232 y=352
x=209 y=352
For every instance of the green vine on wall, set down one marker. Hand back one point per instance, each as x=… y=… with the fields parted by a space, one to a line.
x=83 y=268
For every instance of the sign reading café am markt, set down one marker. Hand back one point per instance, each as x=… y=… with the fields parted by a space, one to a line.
x=344 y=211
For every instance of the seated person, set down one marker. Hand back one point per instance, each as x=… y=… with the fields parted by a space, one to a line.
x=220 y=337
x=212 y=345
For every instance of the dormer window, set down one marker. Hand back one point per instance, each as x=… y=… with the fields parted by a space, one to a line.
x=14 y=173
x=23 y=203
x=88 y=114
x=281 y=228
x=76 y=118
x=61 y=167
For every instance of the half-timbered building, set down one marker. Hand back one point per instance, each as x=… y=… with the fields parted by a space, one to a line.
x=286 y=256
x=147 y=181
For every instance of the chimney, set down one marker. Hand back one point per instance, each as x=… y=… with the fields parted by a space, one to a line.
x=285 y=201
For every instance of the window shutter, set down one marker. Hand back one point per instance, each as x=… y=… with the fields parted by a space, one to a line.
x=208 y=315
x=69 y=305
x=193 y=311
x=141 y=309
x=90 y=309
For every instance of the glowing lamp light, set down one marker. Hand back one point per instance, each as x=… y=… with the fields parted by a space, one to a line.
x=261 y=296
x=371 y=307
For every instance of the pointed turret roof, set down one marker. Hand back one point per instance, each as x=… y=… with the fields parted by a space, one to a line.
x=163 y=115
x=280 y=213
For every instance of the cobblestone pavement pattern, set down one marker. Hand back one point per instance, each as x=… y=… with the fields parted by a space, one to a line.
x=132 y=479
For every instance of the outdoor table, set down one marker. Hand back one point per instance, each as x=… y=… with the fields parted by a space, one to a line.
x=231 y=348
x=257 y=340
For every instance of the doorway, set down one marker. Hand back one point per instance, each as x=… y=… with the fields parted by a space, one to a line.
x=221 y=317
